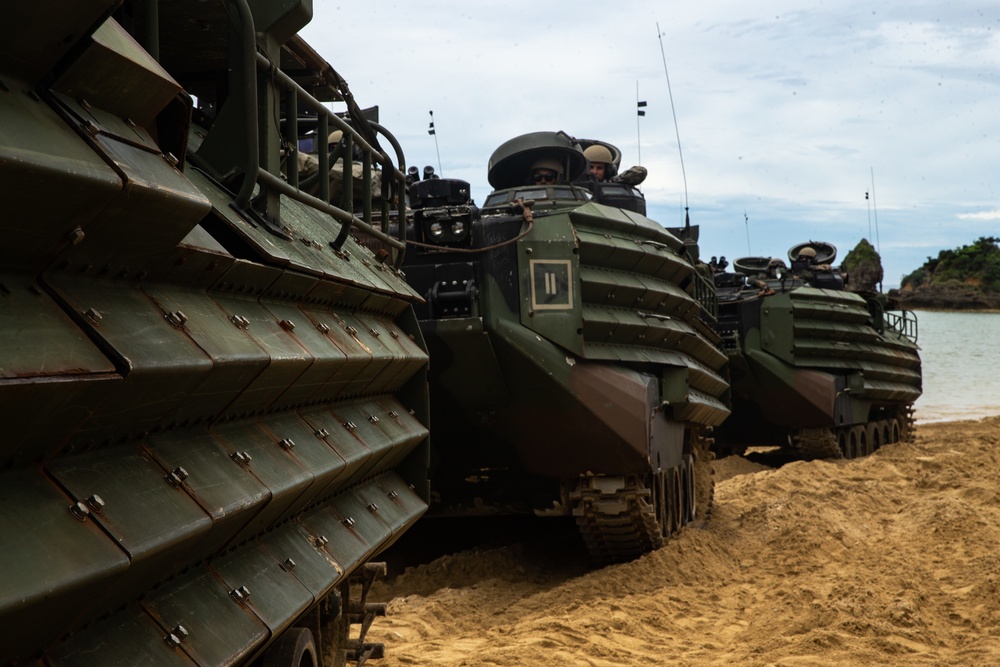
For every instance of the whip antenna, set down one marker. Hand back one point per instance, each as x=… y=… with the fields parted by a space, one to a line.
x=431 y=131
x=640 y=112
x=878 y=247
x=674 y=112
x=869 y=203
x=746 y=223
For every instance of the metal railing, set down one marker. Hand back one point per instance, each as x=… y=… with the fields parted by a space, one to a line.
x=292 y=188
x=704 y=292
x=263 y=181
x=904 y=323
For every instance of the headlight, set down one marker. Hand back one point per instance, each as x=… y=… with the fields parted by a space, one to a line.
x=457 y=228
x=436 y=230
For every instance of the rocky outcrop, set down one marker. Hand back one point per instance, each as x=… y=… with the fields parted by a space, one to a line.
x=966 y=278
x=862 y=268
x=947 y=296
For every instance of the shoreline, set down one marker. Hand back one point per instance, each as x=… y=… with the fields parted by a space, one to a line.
x=956 y=420
x=932 y=309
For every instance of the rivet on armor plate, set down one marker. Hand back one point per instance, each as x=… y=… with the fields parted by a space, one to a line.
x=373 y=508
x=76 y=236
x=322 y=540
x=80 y=511
x=177 y=318
x=373 y=419
x=348 y=521
x=322 y=327
x=237 y=595
x=243 y=458
x=393 y=495
x=287 y=444
x=173 y=641
x=177 y=476
x=180 y=632
x=393 y=414
x=394 y=334
x=96 y=503
x=93 y=315
x=287 y=325
x=374 y=332
x=350 y=426
x=322 y=433
x=351 y=330
x=288 y=565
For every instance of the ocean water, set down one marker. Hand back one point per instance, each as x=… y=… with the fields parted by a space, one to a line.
x=960 y=353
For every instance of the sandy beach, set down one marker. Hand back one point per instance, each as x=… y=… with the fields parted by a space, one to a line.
x=889 y=560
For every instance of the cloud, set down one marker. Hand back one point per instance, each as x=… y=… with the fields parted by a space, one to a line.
x=981 y=215
x=787 y=114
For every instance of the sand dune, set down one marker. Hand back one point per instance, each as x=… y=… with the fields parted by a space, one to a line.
x=889 y=560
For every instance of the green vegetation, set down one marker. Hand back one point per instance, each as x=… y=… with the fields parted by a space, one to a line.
x=863 y=268
x=977 y=265
x=863 y=252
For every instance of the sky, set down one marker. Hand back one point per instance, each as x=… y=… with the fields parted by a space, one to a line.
x=787 y=113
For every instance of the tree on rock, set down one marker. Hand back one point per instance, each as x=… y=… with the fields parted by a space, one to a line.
x=862 y=268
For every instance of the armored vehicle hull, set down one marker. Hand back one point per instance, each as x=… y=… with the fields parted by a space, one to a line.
x=214 y=399
x=824 y=371
x=575 y=369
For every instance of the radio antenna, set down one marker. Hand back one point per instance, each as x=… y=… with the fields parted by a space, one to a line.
x=878 y=246
x=640 y=112
x=433 y=132
x=674 y=112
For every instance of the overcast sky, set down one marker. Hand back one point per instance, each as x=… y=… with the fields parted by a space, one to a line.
x=785 y=110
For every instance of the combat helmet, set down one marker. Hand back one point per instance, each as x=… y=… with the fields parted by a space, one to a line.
x=549 y=163
x=598 y=153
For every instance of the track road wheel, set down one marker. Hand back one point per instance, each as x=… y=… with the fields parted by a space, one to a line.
x=675 y=498
x=893 y=431
x=864 y=442
x=875 y=434
x=295 y=648
x=853 y=440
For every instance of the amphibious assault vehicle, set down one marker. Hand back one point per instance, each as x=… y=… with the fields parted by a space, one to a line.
x=575 y=368
x=214 y=398
x=814 y=367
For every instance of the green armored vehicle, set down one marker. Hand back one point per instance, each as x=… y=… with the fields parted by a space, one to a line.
x=575 y=369
x=213 y=397
x=814 y=367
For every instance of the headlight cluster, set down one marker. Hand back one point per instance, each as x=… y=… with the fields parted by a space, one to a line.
x=455 y=229
x=446 y=225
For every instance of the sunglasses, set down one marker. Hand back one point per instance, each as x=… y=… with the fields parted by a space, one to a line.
x=546 y=177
